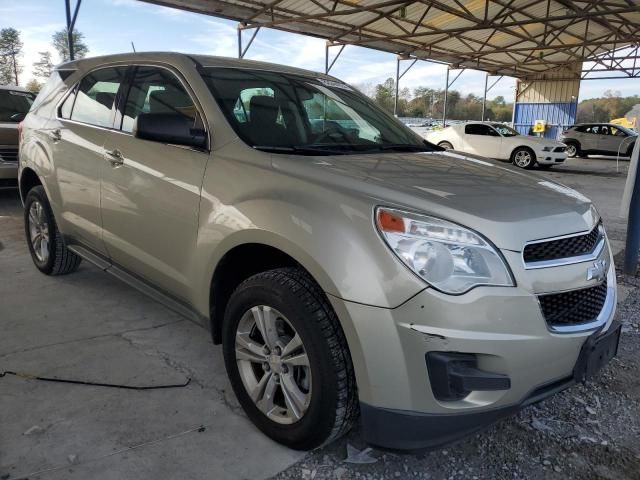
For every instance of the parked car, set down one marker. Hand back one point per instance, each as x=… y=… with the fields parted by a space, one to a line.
x=496 y=140
x=345 y=270
x=599 y=139
x=14 y=105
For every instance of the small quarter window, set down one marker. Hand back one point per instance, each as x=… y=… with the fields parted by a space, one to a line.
x=96 y=97
x=67 y=105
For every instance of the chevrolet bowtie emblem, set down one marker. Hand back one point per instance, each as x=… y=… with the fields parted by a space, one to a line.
x=598 y=271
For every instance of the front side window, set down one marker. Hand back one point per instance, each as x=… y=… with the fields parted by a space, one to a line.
x=14 y=105
x=283 y=112
x=480 y=129
x=96 y=96
x=156 y=90
x=505 y=130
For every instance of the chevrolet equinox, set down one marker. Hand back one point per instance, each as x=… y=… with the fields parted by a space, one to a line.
x=349 y=268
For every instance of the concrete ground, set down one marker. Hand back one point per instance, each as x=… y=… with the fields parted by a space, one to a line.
x=90 y=326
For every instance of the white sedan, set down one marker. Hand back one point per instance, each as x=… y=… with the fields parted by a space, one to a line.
x=495 y=140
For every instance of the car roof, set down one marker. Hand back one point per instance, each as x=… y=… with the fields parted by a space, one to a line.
x=14 y=88
x=199 y=60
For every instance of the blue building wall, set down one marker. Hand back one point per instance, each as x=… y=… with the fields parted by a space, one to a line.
x=558 y=116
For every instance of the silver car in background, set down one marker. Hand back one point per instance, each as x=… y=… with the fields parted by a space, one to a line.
x=598 y=139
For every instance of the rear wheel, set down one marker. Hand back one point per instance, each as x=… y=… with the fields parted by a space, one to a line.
x=446 y=145
x=46 y=245
x=524 y=157
x=288 y=361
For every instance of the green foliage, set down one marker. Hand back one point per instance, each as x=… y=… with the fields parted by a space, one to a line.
x=606 y=108
x=33 y=85
x=43 y=67
x=427 y=102
x=59 y=40
x=10 y=53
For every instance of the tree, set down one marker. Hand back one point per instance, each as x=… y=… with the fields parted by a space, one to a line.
x=33 y=85
x=10 y=52
x=61 y=44
x=43 y=67
x=385 y=93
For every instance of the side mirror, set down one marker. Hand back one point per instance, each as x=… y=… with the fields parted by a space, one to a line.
x=18 y=117
x=171 y=128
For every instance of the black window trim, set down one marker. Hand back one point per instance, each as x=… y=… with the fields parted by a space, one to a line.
x=490 y=127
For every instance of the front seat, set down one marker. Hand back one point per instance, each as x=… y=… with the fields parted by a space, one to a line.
x=263 y=118
x=171 y=101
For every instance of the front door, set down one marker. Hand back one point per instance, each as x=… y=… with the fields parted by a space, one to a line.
x=150 y=190
x=611 y=142
x=77 y=138
x=482 y=139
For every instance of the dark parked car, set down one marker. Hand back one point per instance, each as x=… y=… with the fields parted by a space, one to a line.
x=14 y=105
x=598 y=139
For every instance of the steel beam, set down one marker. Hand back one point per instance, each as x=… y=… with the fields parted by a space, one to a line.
x=243 y=51
x=71 y=24
x=328 y=66
x=398 y=77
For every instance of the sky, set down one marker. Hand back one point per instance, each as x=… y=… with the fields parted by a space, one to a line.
x=110 y=26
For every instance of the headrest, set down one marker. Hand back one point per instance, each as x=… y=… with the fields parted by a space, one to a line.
x=264 y=110
x=105 y=98
x=168 y=101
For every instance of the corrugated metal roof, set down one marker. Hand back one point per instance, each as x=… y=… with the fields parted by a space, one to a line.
x=522 y=38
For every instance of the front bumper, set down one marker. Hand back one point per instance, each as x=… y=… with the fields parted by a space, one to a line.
x=415 y=430
x=550 y=158
x=8 y=170
x=502 y=326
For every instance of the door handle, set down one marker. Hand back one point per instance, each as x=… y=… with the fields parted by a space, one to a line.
x=114 y=157
x=56 y=135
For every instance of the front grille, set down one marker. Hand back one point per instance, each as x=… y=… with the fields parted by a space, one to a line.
x=8 y=154
x=559 y=149
x=575 y=307
x=562 y=248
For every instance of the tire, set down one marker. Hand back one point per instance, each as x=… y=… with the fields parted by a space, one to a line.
x=46 y=245
x=294 y=300
x=523 y=157
x=573 y=149
x=446 y=145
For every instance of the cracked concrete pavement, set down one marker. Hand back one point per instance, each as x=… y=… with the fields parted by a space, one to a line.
x=89 y=326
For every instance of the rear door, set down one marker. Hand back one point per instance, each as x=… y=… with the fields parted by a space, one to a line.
x=150 y=190
x=83 y=120
x=483 y=140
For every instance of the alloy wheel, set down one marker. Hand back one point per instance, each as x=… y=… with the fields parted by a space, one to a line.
x=571 y=150
x=523 y=158
x=273 y=364
x=39 y=231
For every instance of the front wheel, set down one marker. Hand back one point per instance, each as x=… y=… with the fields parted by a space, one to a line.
x=446 y=145
x=524 y=158
x=572 y=150
x=46 y=245
x=288 y=360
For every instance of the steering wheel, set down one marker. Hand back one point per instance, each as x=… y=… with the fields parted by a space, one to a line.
x=332 y=133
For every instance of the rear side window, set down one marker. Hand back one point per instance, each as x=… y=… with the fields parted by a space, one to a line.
x=480 y=129
x=14 y=105
x=96 y=96
x=156 y=90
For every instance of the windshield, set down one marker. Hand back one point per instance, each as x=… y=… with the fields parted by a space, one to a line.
x=14 y=105
x=312 y=116
x=504 y=130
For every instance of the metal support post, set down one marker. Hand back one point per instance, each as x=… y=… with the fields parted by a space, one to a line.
x=71 y=23
x=327 y=65
x=399 y=75
x=444 y=105
x=242 y=52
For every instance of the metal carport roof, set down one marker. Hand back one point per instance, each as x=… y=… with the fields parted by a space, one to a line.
x=520 y=38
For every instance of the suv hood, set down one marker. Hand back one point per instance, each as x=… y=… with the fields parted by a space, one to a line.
x=509 y=208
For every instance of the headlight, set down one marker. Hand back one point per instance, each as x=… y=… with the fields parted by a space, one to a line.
x=547 y=149
x=449 y=257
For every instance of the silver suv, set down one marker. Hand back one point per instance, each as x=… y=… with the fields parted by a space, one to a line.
x=598 y=139
x=347 y=266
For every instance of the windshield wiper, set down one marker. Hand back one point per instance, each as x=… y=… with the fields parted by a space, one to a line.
x=299 y=149
x=402 y=147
